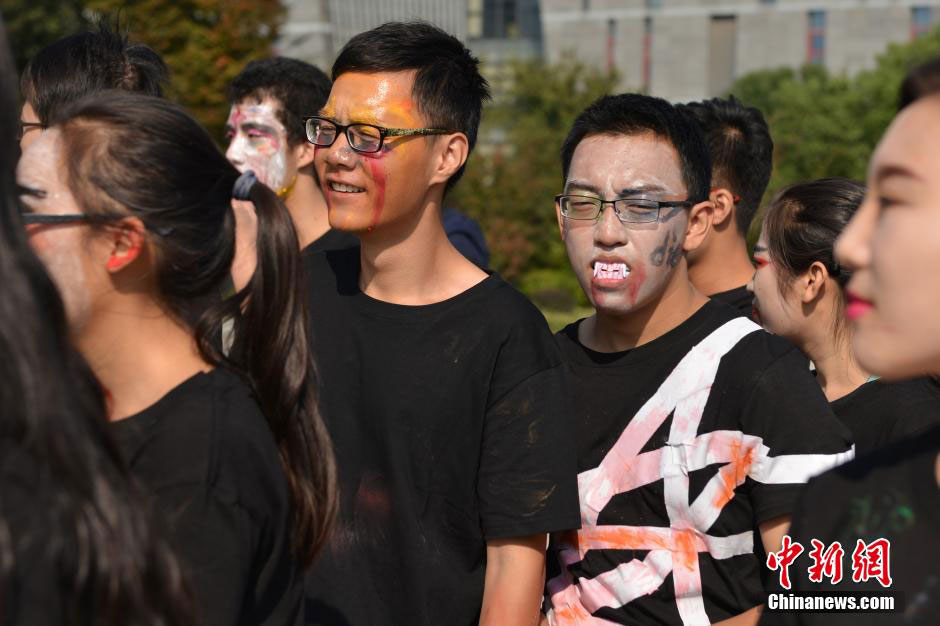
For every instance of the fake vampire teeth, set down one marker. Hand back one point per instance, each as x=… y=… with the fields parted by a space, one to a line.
x=610 y=271
x=340 y=187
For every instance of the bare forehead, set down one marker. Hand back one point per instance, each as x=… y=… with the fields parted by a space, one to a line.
x=41 y=162
x=913 y=140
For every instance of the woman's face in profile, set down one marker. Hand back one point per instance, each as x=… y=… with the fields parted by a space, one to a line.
x=893 y=244
x=65 y=249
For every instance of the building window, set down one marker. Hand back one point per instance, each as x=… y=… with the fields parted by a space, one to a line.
x=921 y=20
x=654 y=4
x=585 y=5
x=816 y=40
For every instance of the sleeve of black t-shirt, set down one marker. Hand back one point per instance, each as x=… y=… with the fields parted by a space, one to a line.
x=527 y=481
x=788 y=410
x=215 y=542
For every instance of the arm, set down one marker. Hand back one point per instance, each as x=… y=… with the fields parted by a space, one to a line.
x=771 y=534
x=515 y=578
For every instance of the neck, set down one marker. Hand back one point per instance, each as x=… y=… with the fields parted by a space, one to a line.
x=138 y=353
x=307 y=208
x=837 y=371
x=606 y=332
x=411 y=261
x=723 y=265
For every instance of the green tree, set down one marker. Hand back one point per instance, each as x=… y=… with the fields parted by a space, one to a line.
x=828 y=125
x=204 y=42
x=32 y=25
x=511 y=179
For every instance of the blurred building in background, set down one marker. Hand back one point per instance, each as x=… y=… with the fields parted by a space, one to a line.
x=678 y=49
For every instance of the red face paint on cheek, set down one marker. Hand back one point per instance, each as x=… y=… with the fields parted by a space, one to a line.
x=378 y=203
x=636 y=280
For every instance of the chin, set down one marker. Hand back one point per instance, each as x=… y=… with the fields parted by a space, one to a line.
x=354 y=221
x=892 y=358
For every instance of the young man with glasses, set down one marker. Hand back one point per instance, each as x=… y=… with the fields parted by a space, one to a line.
x=440 y=384
x=694 y=425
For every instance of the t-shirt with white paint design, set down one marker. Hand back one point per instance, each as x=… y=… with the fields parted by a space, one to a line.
x=685 y=445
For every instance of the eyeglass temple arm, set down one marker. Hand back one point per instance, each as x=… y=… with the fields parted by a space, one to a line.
x=399 y=132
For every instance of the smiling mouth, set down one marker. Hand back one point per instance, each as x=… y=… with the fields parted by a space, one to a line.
x=341 y=188
x=611 y=271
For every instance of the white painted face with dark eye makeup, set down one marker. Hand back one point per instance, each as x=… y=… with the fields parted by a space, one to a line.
x=623 y=266
x=258 y=142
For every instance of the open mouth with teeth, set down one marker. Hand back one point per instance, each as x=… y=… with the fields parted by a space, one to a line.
x=610 y=271
x=341 y=188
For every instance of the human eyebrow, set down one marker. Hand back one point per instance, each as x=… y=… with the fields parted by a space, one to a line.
x=32 y=192
x=580 y=185
x=264 y=128
x=892 y=170
x=642 y=189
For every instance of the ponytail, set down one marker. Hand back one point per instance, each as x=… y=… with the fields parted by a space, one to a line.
x=272 y=348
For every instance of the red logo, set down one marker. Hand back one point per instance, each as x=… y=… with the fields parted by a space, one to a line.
x=826 y=563
x=872 y=561
x=781 y=560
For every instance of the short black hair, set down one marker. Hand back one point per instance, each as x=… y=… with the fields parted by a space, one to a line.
x=741 y=149
x=634 y=114
x=923 y=80
x=89 y=62
x=449 y=89
x=300 y=89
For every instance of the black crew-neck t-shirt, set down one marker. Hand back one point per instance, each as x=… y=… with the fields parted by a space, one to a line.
x=205 y=454
x=879 y=412
x=739 y=298
x=891 y=493
x=686 y=445
x=450 y=427
x=331 y=240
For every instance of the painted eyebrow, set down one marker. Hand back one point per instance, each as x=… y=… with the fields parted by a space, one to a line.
x=760 y=249
x=642 y=189
x=23 y=190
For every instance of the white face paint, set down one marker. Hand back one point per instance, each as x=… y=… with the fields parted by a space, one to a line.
x=258 y=142
x=61 y=247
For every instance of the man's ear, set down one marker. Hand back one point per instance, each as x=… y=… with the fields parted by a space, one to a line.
x=454 y=150
x=813 y=281
x=723 y=201
x=303 y=154
x=561 y=220
x=125 y=240
x=700 y=223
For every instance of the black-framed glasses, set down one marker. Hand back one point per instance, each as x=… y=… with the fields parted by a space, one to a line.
x=43 y=218
x=367 y=138
x=628 y=210
x=24 y=127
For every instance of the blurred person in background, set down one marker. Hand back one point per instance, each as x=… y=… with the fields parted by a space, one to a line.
x=77 y=546
x=265 y=130
x=441 y=384
x=128 y=202
x=82 y=64
x=883 y=509
x=741 y=152
x=694 y=426
x=799 y=291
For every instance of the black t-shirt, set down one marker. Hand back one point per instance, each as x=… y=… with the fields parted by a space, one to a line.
x=893 y=494
x=739 y=298
x=686 y=444
x=878 y=412
x=206 y=455
x=331 y=240
x=450 y=427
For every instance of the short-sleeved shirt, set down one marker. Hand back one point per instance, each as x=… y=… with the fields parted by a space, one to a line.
x=891 y=494
x=686 y=445
x=450 y=428
x=207 y=458
x=879 y=412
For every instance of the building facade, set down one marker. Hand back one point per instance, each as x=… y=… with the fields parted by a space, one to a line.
x=692 y=49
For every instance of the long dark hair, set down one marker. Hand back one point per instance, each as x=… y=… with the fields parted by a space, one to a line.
x=110 y=567
x=139 y=155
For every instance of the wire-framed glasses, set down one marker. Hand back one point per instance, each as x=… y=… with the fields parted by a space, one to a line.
x=628 y=210
x=362 y=137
